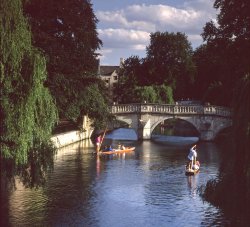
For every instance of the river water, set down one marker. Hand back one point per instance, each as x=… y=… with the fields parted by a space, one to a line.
x=147 y=187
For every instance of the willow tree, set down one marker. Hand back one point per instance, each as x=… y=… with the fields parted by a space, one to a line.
x=27 y=109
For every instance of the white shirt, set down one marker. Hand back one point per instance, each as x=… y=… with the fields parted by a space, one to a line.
x=192 y=154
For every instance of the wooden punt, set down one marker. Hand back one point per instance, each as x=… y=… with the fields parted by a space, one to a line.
x=191 y=171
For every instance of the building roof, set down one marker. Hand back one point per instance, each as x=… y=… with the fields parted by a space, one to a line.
x=107 y=70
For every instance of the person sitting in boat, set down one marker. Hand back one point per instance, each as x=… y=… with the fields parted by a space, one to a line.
x=192 y=156
x=123 y=147
x=110 y=148
x=196 y=166
x=106 y=148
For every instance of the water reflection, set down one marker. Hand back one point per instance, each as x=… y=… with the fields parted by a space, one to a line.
x=192 y=182
x=147 y=187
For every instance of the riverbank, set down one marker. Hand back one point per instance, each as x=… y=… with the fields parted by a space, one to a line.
x=67 y=138
x=67 y=132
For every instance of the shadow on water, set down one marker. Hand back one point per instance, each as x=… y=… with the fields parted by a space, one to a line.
x=33 y=174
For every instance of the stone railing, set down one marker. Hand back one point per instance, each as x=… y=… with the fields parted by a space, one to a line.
x=178 y=109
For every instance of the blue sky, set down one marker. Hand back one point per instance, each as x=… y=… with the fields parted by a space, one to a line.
x=124 y=26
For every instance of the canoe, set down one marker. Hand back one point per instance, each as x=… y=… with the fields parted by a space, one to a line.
x=191 y=171
x=115 y=151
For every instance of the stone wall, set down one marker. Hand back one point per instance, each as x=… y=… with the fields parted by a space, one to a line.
x=67 y=138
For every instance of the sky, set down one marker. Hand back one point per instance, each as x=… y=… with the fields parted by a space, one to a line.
x=125 y=26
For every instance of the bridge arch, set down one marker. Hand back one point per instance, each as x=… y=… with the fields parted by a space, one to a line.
x=155 y=124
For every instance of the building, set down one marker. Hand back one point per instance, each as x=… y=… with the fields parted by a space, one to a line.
x=110 y=74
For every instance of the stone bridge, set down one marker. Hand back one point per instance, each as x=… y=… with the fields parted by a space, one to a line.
x=208 y=120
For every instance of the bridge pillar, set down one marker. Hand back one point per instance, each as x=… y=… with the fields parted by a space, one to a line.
x=147 y=130
x=144 y=127
x=207 y=135
x=143 y=130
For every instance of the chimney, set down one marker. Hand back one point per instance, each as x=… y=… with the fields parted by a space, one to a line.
x=121 y=62
x=98 y=67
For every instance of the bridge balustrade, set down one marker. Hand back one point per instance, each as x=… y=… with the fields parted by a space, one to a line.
x=217 y=110
x=171 y=109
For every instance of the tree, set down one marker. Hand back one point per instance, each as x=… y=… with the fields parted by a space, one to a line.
x=208 y=83
x=232 y=36
x=27 y=109
x=94 y=104
x=230 y=41
x=154 y=94
x=146 y=94
x=170 y=58
x=168 y=63
x=164 y=94
x=128 y=79
x=66 y=32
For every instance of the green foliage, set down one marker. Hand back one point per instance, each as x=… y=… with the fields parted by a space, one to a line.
x=146 y=93
x=33 y=173
x=228 y=48
x=135 y=85
x=168 y=63
x=95 y=105
x=241 y=121
x=170 y=58
x=150 y=94
x=229 y=42
x=28 y=112
x=164 y=94
x=154 y=94
x=66 y=32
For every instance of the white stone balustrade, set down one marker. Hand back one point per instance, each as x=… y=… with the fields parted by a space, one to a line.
x=171 y=109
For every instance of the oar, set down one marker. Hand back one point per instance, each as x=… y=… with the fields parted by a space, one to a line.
x=102 y=139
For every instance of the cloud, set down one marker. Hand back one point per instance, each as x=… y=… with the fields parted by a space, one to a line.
x=123 y=19
x=129 y=28
x=162 y=14
x=122 y=38
x=104 y=53
x=151 y=18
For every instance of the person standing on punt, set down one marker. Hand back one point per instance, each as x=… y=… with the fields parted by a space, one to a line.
x=98 y=143
x=192 y=156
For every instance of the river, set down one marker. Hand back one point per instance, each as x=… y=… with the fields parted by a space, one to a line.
x=147 y=187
